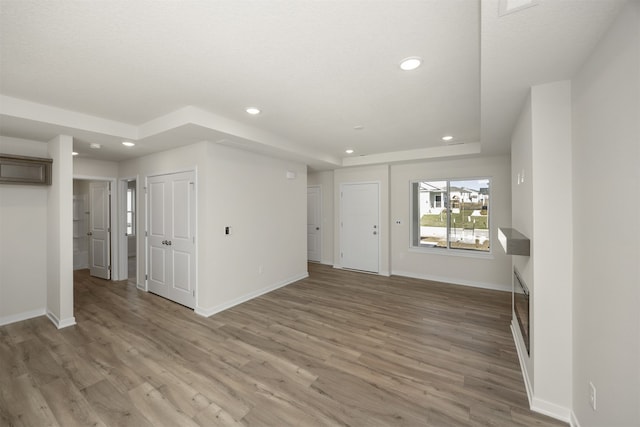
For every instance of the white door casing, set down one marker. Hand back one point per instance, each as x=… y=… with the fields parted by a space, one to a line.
x=359 y=226
x=314 y=215
x=171 y=236
x=99 y=229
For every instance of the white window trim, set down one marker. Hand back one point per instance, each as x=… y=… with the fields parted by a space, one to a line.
x=133 y=212
x=465 y=253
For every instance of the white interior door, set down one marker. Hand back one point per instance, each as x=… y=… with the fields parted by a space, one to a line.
x=99 y=229
x=314 y=241
x=359 y=227
x=171 y=237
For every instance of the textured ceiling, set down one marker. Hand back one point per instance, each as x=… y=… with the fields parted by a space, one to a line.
x=544 y=43
x=170 y=73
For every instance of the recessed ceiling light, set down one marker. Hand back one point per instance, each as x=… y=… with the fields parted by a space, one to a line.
x=447 y=138
x=74 y=153
x=95 y=146
x=410 y=63
x=128 y=143
x=349 y=151
x=253 y=110
x=358 y=127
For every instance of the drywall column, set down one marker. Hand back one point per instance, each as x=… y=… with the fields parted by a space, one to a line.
x=522 y=220
x=60 y=234
x=552 y=247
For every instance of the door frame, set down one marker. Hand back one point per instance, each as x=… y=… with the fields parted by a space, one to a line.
x=147 y=212
x=320 y=218
x=340 y=247
x=123 y=241
x=115 y=228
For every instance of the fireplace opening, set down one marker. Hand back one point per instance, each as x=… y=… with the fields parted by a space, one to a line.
x=521 y=306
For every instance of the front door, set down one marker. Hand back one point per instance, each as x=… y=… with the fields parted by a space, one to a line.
x=171 y=237
x=99 y=229
x=359 y=227
x=314 y=247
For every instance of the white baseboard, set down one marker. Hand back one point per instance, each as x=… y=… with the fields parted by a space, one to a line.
x=521 y=350
x=536 y=404
x=323 y=262
x=551 y=409
x=207 y=312
x=70 y=321
x=452 y=280
x=19 y=317
x=379 y=273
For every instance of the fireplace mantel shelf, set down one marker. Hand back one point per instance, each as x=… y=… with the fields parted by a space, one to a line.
x=513 y=242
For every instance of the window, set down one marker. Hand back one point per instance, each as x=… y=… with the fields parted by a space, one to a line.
x=131 y=211
x=451 y=214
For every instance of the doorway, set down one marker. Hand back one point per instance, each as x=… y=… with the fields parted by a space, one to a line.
x=92 y=227
x=131 y=232
x=314 y=215
x=100 y=229
x=359 y=226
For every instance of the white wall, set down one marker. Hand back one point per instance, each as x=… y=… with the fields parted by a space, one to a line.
x=324 y=180
x=267 y=214
x=91 y=168
x=606 y=289
x=380 y=174
x=490 y=272
x=251 y=194
x=23 y=231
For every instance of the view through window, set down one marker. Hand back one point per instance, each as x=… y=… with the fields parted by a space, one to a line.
x=451 y=214
x=131 y=203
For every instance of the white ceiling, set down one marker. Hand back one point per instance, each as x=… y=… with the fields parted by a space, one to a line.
x=166 y=74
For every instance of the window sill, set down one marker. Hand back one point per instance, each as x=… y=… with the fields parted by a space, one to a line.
x=452 y=252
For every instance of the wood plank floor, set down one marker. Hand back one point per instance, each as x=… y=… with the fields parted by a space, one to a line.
x=338 y=348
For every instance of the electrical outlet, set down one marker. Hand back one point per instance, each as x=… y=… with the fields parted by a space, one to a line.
x=592 y=396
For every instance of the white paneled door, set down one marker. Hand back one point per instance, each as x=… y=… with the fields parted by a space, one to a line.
x=314 y=245
x=99 y=229
x=171 y=237
x=359 y=227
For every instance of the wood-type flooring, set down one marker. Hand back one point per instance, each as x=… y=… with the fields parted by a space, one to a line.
x=338 y=348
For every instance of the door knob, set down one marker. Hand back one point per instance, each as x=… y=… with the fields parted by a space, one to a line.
x=164 y=242
x=89 y=234
x=375 y=232
x=169 y=242
x=317 y=228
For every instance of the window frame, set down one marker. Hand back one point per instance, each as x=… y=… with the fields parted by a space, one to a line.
x=414 y=221
x=133 y=211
